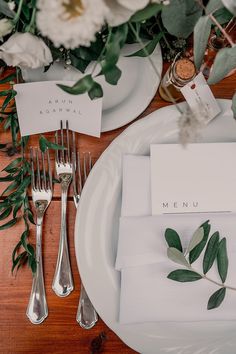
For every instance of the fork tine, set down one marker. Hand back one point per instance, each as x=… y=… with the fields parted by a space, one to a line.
x=49 y=171
x=57 y=152
x=44 y=178
x=79 y=173
x=38 y=179
x=85 y=167
x=32 y=168
x=90 y=162
x=68 y=141
x=74 y=173
x=62 y=143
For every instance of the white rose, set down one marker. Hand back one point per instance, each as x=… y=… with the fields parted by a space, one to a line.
x=6 y=26
x=25 y=50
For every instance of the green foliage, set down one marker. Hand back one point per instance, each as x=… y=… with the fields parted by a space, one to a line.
x=144 y=14
x=201 y=35
x=196 y=251
x=173 y=239
x=211 y=252
x=234 y=105
x=215 y=250
x=184 y=275
x=180 y=17
x=149 y=47
x=222 y=260
x=216 y=299
x=225 y=61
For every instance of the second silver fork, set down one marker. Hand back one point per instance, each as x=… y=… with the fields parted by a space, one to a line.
x=63 y=280
x=86 y=314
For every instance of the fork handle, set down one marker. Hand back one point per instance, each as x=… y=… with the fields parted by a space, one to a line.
x=86 y=314
x=63 y=282
x=37 y=309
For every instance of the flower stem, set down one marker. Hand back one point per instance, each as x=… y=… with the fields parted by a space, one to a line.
x=31 y=27
x=222 y=285
x=17 y=15
x=154 y=67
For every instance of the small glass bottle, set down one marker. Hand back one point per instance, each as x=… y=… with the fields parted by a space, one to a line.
x=214 y=45
x=178 y=75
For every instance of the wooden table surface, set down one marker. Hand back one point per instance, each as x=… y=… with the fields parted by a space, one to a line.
x=59 y=333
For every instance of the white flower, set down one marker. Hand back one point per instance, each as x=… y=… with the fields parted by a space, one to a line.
x=121 y=10
x=25 y=50
x=6 y=26
x=71 y=23
x=11 y=5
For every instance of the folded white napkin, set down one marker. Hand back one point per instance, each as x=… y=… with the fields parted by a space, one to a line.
x=146 y=293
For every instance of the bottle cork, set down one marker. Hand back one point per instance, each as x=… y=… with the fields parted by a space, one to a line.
x=185 y=69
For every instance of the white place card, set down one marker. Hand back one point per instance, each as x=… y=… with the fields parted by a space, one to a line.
x=41 y=106
x=200 y=97
x=196 y=178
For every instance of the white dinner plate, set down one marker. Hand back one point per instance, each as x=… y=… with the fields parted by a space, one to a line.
x=123 y=102
x=96 y=233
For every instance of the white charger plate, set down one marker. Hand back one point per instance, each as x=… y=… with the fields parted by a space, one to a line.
x=123 y=102
x=96 y=234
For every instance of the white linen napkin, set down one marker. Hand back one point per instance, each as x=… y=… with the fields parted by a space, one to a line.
x=146 y=293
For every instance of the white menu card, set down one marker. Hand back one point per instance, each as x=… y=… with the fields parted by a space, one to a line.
x=195 y=178
x=41 y=106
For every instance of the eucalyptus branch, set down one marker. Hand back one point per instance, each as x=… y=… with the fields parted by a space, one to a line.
x=154 y=67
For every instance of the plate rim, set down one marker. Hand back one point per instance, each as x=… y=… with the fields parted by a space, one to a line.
x=157 y=54
x=122 y=334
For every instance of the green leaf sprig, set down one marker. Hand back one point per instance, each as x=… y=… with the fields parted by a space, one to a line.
x=215 y=250
x=14 y=200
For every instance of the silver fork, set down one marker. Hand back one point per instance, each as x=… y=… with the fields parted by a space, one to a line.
x=37 y=309
x=63 y=281
x=86 y=314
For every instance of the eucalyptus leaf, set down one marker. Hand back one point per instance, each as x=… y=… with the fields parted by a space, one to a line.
x=225 y=61
x=14 y=163
x=223 y=16
x=230 y=5
x=197 y=250
x=184 y=275
x=18 y=260
x=149 y=47
x=45 y=144
x=234 y=105
x=112 y=76
x=196 y=239
x=81 y=86
x=216 y=299
x=10 y=223
x=180 y=17
x=24 y=238
x=176 y=256
x=96 y=91
x=202 y=32
x=173 y=239
x=211 y=252
x=5 y=213
x=213 y=5
x=144 y=14
x=222 y=260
